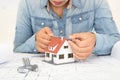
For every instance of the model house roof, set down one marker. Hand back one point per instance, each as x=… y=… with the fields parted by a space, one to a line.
x=55 y=44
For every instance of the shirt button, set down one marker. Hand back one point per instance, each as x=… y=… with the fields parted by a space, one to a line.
x=42 y=23
x=61 y=31
x=35 y=50
x=80 y=19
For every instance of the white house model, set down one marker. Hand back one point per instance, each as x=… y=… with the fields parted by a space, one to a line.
x=58 y=51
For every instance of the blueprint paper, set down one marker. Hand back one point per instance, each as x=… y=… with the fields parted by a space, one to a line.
x=5 y=53
x=116 y=50
x=94 y=68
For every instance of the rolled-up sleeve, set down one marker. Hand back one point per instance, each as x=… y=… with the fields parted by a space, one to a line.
x=24 y=37
x=105 y=29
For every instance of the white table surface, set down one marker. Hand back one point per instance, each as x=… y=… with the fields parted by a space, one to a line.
x=94 y=68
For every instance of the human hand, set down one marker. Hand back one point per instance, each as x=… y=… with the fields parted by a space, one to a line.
x=82 y=44
x=43 y=37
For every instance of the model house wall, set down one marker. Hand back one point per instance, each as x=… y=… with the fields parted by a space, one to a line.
x=64 y=53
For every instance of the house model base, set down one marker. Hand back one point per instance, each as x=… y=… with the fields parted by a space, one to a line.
x=59 y=51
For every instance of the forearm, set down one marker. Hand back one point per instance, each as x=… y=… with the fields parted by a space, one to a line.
x=28 y=46
x=106 y=31
x=104 y=43
x=24 y=36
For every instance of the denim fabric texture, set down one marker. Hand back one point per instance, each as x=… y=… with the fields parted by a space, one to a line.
x=84 y=16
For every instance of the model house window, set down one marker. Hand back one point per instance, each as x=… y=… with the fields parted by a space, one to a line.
x=65 y=47
x=47 y=55
x=70 y=55
x=61 y=56
x=55 y=56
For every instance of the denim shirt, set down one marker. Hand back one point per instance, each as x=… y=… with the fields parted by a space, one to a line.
x=84 y=16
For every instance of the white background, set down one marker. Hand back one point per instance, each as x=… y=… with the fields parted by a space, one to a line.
x=8 y=11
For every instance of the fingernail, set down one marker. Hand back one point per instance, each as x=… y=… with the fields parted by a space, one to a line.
x=69 y=39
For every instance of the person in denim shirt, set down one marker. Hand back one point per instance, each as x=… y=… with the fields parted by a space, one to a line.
x=88 y=23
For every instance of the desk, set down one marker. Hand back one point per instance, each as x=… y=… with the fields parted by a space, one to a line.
x=94 y=68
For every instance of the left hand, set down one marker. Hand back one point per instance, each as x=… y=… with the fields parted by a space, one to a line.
x=82 y=44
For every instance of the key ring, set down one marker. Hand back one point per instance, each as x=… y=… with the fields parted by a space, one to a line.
x=22 y=70
x=27 y=66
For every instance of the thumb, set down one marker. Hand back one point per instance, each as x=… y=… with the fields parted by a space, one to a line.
x=48 y=31
x=81 y=36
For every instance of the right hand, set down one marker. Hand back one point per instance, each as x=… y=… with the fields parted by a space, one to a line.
x=43 y=37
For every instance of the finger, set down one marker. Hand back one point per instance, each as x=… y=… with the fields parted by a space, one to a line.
x=73 y=45
x=85 y=50
x=79 y=57
x=48 y=31
x=80 y=51
x=82 y=55
x=41 y=45
x=44 y=41
x=84 y=43
x=40 y=49
x=46 y=37
x=76 y=49
x=73 y=36
x=81 y=36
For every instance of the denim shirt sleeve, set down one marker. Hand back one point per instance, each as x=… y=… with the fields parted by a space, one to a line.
x=106 y=30
x=24 y=36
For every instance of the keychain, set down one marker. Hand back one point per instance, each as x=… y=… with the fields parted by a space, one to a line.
x=27 y=66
